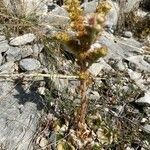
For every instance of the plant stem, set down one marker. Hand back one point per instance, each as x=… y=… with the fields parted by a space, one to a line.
x=84 y=103
x=81 y=113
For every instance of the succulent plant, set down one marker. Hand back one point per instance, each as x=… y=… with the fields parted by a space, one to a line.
x=80 y=38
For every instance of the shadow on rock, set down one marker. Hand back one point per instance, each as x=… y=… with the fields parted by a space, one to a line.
x=29 y=94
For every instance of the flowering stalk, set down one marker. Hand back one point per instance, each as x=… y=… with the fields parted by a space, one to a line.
x=86 y=30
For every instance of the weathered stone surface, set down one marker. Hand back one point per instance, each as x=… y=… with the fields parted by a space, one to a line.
x=18 y=126
x=140 y=82
x=61 y=84
x=130 y=4
x=97 y=67
x=26 y=51
x=42 y=59
x=112 y=17
x=89 y=7
x=146 y=128
x=57 y=10
x=8 y=67
x=13 y=54
x=144 y=100
x=128 y=34
x=120 y=47
x=37 y=48
x=140 y=63
x=136 y=76
x=4 y=46
x=52 y=19
x=22 y=40
x=29 y=64
x=2 y=38
x=121 y=65
x=94 y=95
x=147 y=58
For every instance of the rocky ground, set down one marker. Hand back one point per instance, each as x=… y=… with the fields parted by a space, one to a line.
x=36 y=110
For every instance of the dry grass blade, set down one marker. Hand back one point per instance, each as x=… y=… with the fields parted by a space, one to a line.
x=16 y=24
x=21 y=75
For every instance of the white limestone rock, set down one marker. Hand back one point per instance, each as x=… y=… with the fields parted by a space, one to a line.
x=22 y=40
x=96 y=68
x=8 y=67
x=13 y=54
x=4 y=46
x=144 y=100
x=29 y=64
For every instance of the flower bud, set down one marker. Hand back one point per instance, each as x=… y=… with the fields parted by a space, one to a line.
x=100 y=18
x=101 y=52
x=98 y=27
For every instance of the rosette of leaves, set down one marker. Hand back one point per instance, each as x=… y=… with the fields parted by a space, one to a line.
x=80 y=37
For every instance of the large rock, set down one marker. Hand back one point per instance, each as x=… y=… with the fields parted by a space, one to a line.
x=120 y=47
x=19 y=115
x=8 y=67
x=13 y=54
x=16 y=53
x=57 y=10
x=29 y=64
x=37 y=48
x=56 y=16
x=26 y=51
x=51 y=19
x=4 y=46
x=22 y=40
